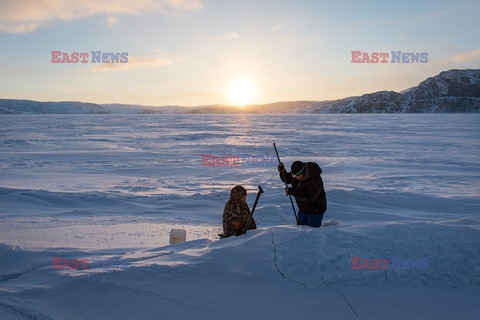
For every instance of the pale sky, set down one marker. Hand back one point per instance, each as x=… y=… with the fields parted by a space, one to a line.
x=198 y=52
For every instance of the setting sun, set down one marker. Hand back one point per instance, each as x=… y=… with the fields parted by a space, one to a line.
x=241 y=92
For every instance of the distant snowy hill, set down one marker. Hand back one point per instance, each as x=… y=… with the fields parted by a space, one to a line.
x=74 y=107
x=67 y=107
x=449 y=91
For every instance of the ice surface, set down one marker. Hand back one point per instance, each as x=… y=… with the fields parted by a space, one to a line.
x=109 y=188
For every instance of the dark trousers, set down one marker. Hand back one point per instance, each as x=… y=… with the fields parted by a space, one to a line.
x=311 y=220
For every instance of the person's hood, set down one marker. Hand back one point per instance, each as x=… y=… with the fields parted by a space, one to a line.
x=311 y=170
x=237 y=193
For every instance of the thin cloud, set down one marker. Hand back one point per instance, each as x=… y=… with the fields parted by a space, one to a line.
x=19 y=28
x=183 y=4
x=133 y=63
x=111 y=21
x=23 y=16
x=229 y=36
x=413 y=19
x=277 y=28
x=464 y=57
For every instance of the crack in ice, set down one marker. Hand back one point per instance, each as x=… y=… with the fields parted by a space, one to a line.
x=175 y=301
x=29 y=314
x=15 y=275
x=303 y=284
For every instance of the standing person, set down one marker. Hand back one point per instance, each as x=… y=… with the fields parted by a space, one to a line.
x=307 y=188
x=236 y=213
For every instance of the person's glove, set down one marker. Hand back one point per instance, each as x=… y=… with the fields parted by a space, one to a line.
x=290 y=191
x=280 y=167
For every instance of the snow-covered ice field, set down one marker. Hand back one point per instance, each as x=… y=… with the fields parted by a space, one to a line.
x=109 y=188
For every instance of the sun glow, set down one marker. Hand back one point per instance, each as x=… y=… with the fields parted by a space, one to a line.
x=241 y=92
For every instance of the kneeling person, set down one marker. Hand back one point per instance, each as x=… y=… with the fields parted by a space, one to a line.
x=236 y=213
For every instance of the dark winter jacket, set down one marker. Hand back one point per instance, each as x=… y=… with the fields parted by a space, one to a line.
x=309 y=193
x=236 y=213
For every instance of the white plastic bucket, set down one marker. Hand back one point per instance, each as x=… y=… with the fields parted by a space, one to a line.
x=178 y=235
